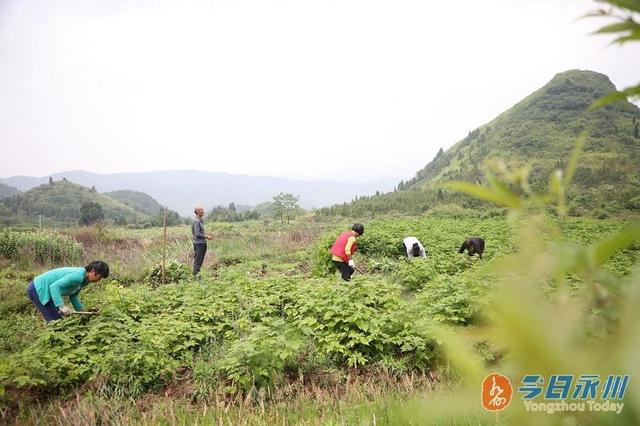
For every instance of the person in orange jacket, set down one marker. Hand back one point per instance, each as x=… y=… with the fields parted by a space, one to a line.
x=343 y=250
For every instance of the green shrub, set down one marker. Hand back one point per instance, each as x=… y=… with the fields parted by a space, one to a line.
x=135 y=344
x=251 y=331
x=633 y=204
x=358 y=322
x=39 y=247
x=17 y=331
x=321 y=265
x=174 y=272
x=453 y=299
x=452 y=211
x=257 y=359
x=413 y=275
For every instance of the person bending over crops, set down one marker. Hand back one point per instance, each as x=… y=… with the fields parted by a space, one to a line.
x=199 y=240
x=343 y=250
x=473 y=245
x=413 y=248
x=47 y=290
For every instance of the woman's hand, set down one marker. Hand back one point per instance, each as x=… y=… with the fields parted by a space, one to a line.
x=64 y=311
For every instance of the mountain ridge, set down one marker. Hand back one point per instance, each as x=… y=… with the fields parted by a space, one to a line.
x=180 y=190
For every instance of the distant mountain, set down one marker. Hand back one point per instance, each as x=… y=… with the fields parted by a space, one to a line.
x=181 y=190
x=58 y=203
x=540 y=131
x=7 y=191
x=136 y=200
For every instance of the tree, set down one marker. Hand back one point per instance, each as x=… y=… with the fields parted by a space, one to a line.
x=285 y=205
x=50 y=180
x=90 y=213
x=120 y=220
x=173 y=218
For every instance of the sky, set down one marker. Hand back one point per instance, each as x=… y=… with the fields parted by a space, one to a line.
x=352 y=90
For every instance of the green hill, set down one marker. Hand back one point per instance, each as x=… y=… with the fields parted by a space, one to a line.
x=7 y=191
x=137 y=200
x=539 y=131
x=58 y=203
x=146 y=204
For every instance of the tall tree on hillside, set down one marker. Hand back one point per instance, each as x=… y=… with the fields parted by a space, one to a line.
x=50 y=180
x=90 y=213
x=285 y=204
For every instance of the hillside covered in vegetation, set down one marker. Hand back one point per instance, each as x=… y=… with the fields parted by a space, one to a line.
x=58 y=203
x=137 y=200
x=539 y=132
x=7 y=191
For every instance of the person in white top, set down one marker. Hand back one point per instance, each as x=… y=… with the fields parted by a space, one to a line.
x=413 y=248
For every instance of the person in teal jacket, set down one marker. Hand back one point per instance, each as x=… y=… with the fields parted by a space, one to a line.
x=46 y=290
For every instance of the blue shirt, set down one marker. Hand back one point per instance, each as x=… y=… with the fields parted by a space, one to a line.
x=60 y=282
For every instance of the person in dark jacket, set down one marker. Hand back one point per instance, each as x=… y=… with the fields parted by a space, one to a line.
x=47 y=290
x=343 y=249
x=199 y=239
x=473 y=245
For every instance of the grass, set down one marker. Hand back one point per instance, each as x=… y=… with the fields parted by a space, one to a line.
x=132 y=252
x=359 y=404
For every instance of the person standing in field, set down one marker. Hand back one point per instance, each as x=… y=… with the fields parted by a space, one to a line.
x=343 y=249
x=47 y=290
x=413 y=248
x=199 y=239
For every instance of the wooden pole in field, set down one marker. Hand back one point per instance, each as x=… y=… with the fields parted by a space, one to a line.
x=164 y=243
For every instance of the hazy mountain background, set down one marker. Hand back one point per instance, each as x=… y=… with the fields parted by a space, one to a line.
x=180 y=190
x=540 y=132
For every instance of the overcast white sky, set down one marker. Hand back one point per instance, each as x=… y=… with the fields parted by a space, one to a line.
x=341 y=89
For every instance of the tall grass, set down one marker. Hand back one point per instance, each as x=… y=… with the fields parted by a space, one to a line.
x=358 y=404
x=43 y=248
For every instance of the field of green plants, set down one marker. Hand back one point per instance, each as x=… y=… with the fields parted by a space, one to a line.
x=270 y=332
